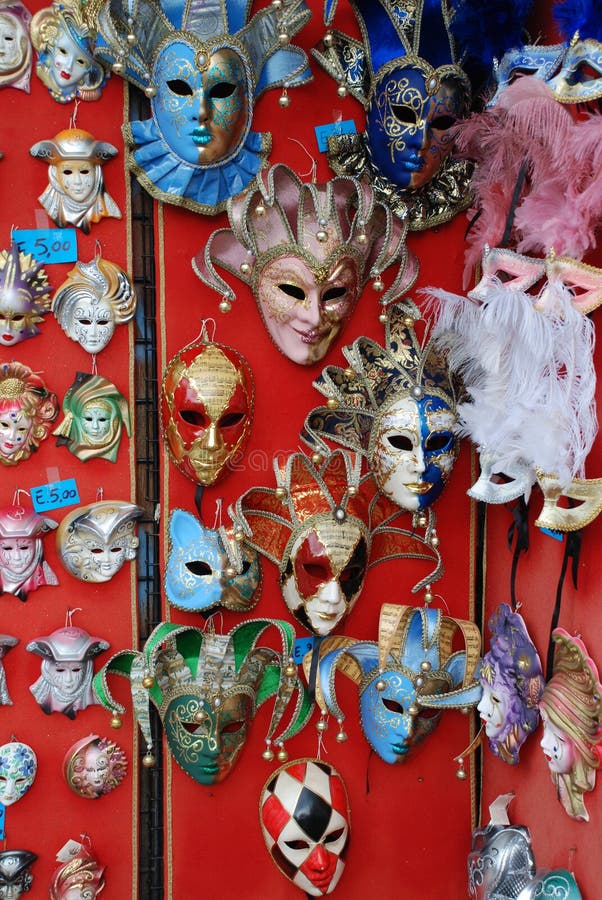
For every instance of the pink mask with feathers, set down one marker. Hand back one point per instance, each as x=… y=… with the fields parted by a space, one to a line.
x=307 y=251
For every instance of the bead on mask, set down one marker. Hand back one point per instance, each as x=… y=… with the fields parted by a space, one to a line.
x=76 y=193
x=307 y=251
x=208 y=567
x=202 y=67
x=396 y=406
x=405 y=679
x=94 y=541
x=95 y=298
x=94 y=766
x=15 y=45
x=66 y=64
x=207 y=688
x=24 y=293
x=94 y=416
x=65 y=683
x=305 y=822
x=207 y=399
x=27 y=411
x=22 y=564
x=571 y=711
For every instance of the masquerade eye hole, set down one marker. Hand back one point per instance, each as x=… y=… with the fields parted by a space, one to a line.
x=297 y=845
x=405 y=114
x=193 y=417
x=233 y=727
x=116 y=549
x=230 y=419
x=428 y=713
x=198 y=567
x=334 y=836
x=85 y=321
x=180 y=87
x=245 y=567
x=293 y=291
x=400 y=442
x=222 y=90
x=437 y=442
x=18 y=319
x=442 y=123
x=317 y=571
x=392 y=705
x=102 y=322
x=333 y=293
x=351 y=573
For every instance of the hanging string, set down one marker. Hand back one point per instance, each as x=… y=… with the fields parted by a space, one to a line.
x=16 y=496
x=217 y=519
x=520 y=529
x=572 y=550
x=97 y=249
x=313 y=171
x=198 y=500
x=73 y=119
x=69 y=616
x=205 y=328
x=94 y=367
x=99 y=494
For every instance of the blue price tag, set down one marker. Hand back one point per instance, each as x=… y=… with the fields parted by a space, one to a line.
x=48 y=245
x=323 y=132
x=301 y=647
x=51 y=496
x=557 y=535
x=2 y=820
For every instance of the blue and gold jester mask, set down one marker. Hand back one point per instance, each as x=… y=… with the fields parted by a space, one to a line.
x=396 y=406
x=405 y=679
x=407 y=77
x=207 y=688
x=207 y=567
x=202 y=65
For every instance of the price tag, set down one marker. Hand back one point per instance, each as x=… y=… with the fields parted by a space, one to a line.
x=48 y=245
x=51 y=496
x=557 y=535
x=2 y=820
x=323 y=132
x=301 y=647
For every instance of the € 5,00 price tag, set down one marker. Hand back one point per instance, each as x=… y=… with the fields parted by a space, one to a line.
x=51 y=496
x=301 y=647
x=47 y=245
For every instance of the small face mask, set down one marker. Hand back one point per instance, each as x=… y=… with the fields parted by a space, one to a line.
x=22 y=564
x=207 y=568
x=413 y=451
x=94 y=766
x=325 y=573
x=206 y=408
x=24 y=296
x=409 y=120
x=305 y=822
x=15 y=877
x=94 y=541
x=201 y=104
x=80 y=877
x=65 y=683
x=15 y=45
x=95 y=414
x=27 y=410
x=501 y=861
x=18 y=767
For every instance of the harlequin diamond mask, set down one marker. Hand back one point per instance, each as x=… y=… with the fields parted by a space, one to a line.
x=76 y=192
x=18 y=767
x=65 y=683
x=24 y=294
x=27 y=410
x=66 y=64
x=206 y=567
x=396 y=406
x=15 y=877
x=96 y=297
x=95 y=414
x=571 y=710
x=207 y=688
x=307 y=251
x=206 y=408
x=201 y=66
x=512 y=684
x=305 y=822
x=94 y=541
x=22 y=564
x=15 y=45
x=94 y=766
x=406 y=75
x=79 y=877
x=406 y=679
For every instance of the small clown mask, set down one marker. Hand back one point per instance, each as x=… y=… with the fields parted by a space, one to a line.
x=206 y=408
x=96 y=297
x=15 y=45
x=27 y=410
x=15 y=877
x=24 y=296
x=94 y=541
x=207 y=568
x=94 y=766
x=66 y=63
x=305 y=822
x=18 y=767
